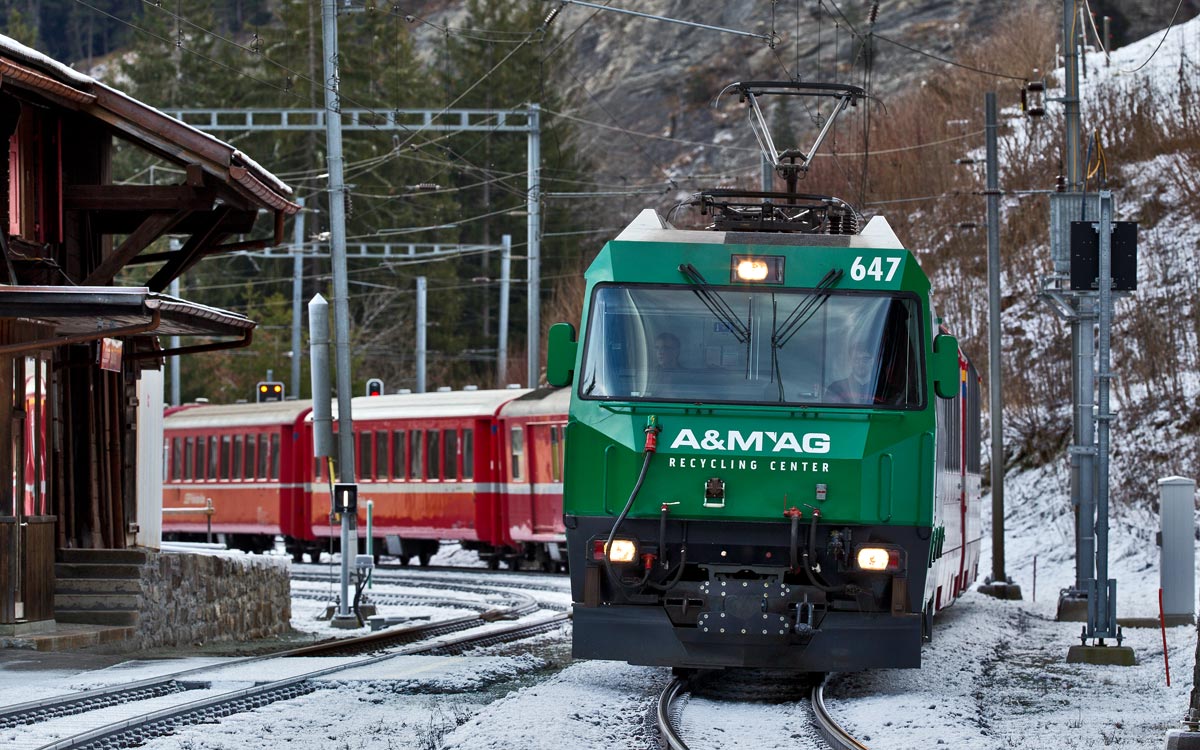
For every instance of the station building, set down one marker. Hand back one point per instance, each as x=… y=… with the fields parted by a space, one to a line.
x=81 y=359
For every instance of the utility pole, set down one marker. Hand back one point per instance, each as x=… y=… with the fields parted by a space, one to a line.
x=533 y=331
x=341 y=293
x=999 y=585
x=297 y=284
x=502 y=325
x=174 y=340
x=422 y=314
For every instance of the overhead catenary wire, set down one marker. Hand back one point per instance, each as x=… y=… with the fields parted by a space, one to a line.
x=947 y=61
x=1171 y=25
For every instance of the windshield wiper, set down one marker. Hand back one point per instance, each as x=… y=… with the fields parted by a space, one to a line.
x=805 y=309
x=716 y=304
x=800 y=315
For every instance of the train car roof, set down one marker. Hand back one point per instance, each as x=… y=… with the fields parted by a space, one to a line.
x=431 y=405
x=539 y=402
x=236 y=415
x=650 y=226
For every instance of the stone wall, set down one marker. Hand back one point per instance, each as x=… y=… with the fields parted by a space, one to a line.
x=192 y=598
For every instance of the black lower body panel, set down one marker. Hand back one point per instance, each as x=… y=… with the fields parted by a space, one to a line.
x=846 y=641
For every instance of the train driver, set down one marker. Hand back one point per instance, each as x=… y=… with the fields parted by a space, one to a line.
x=666 y=351
x=859 y=386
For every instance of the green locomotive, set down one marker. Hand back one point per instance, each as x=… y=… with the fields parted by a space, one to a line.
x=772 y=455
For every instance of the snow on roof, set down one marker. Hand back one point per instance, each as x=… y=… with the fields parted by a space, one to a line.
x=12 y=48
x=237 y=415
x=21 y=53
x=429 y=405
x=542 y=401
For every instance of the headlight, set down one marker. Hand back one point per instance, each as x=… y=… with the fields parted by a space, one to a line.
x=878 y=558
x=622 y=551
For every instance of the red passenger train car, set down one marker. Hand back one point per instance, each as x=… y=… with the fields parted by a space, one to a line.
x=248 y=460
x=480 y=467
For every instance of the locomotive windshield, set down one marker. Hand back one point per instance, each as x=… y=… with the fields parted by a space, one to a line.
x=673 y=343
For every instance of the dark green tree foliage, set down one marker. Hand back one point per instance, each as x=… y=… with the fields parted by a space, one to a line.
x=492 y=166
x=403 y=187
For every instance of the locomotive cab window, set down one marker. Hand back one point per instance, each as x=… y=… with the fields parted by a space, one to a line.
x=835 y=348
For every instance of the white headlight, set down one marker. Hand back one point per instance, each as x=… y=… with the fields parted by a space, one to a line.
x=873 y=558
x=622 y=551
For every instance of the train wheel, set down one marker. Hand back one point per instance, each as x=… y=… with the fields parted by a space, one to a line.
x=424 y=559
x=297 y=555
x=493 y=563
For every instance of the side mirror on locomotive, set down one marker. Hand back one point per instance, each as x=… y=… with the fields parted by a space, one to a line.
x=268 y=390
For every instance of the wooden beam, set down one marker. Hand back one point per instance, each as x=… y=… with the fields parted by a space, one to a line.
x=195 y=175
x=192 y=251
x=151 y=229
x=137 y=198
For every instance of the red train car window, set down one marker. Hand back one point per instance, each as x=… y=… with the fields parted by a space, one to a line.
x=450 y=454
x=416 y=457
x=381 y=455
x=176 y=459
x=262 y=456
x=235 y=472
x=213 y=453
x=398 y=442
x=189 y=458
x=226 y=456
x=468 y=453
x=274 y=457
x=201 y=457
x=432 y=454
x=517 y=447
x=366 y=440
x=555 y=454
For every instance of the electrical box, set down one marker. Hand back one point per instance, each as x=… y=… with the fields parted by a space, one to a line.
x=1085 y=256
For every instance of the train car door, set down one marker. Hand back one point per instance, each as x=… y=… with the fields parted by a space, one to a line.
x=545 y=460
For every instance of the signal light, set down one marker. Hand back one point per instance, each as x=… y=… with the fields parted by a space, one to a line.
x=268 y=390
x=374 y=387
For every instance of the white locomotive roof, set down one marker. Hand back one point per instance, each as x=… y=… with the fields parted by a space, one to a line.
x=649 y=226
x=430 y=405
x=237 y=415
x=543 y=401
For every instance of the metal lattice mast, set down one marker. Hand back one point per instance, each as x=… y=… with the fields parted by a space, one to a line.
x=525 y=120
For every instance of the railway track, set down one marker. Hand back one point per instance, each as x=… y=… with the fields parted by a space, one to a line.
x=436 y=638
x=670 y=708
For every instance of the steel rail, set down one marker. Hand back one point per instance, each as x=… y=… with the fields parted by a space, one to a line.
x=837 y=737
x=666 y=702
x=163 y=721
x=46 y=709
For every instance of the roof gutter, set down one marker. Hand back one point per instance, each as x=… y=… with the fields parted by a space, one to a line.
x=246 y=340
x=39 y=82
